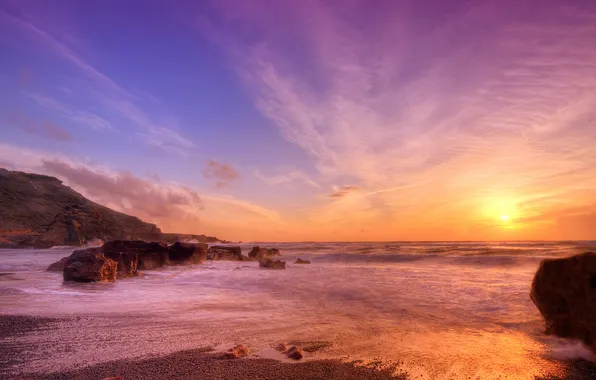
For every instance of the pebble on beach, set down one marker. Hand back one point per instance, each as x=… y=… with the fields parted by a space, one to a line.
x=294 y=353
x=238 y=351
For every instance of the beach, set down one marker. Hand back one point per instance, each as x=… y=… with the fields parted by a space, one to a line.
x=360 y=310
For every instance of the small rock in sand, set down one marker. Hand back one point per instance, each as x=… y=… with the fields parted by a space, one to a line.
x=281 y=347
x=114 y=378
x=294 y=353
x=300 y=261
x=238 y=351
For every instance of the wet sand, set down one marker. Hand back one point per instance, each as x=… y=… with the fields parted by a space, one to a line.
x=201 y=364
x=19 y=346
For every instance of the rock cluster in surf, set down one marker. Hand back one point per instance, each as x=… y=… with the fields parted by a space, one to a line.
x=564 y=290
x=126 y=258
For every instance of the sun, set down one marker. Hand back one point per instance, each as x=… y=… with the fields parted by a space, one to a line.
x=504 y=218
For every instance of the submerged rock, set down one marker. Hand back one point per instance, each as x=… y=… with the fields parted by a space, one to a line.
x=89 y=265
x=238 y=351
x=564 y=290
x=58 y=266
x=294 y=353
x=259 y=253
x=272 y=264
x=300 y=261
x=222 y=252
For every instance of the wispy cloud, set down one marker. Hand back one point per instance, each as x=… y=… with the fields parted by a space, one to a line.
x=115 y=99
x=42 y=128
x=221 y=172
x=479 y=107
x=82 y=117
x=288 y=177
x=340 y=192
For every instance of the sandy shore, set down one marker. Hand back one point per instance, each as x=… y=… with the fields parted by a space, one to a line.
x=201 y=363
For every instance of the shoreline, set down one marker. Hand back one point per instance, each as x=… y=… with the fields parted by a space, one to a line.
x=203 y=363
x=195 y=363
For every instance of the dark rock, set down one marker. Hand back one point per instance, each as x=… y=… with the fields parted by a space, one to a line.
x=294 y=353
x=150 y=255
x=564 y=290
x=281 y=347
x=238 y=351
x=272 y=264
x=259 y=253
x=58 y=266
x=221 y=252
x=300 y=261
x=132 y=255
x=88 y=265
x=187 y=253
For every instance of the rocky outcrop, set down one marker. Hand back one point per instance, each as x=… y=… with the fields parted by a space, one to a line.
x=187 y=253
x=136 y=254
x=259 y=253
x=272 y=264
x=58 y=266
x=222 y=252
x=564 y=290
x=131 y=255
x=88 y=265
x=39 y=211
x=300 y=261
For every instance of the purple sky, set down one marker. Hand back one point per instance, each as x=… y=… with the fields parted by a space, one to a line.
x=311 y=120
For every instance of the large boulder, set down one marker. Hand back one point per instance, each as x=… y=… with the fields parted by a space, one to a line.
x=88 y=265
x=272 y=264
x=564 y=290
x=187 y=253
x=222 y=252
x=259 y=253
x=148 y=255
x=58 y=266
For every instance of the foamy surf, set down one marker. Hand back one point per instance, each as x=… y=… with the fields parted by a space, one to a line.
x=438 y=309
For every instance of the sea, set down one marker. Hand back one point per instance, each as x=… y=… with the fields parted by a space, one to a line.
x=431 y=310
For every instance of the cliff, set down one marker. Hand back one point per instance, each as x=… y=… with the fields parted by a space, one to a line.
x=39 y=211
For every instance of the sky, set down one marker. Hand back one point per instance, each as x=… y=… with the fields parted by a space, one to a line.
x=305 y=120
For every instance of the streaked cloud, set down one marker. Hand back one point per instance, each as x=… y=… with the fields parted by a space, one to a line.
x=88 y=119
x=339 y=192
x=288 y=177
x=115 y=99
x=453 y=120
